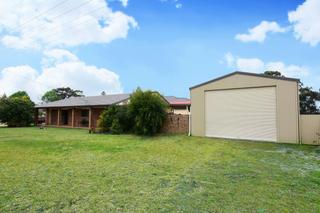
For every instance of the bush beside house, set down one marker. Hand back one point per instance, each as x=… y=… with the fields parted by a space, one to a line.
x=116 y=120
x=144 y=115
x=148 y=110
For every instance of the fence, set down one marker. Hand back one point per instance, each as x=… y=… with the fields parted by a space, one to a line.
x=176 y=123
x=310 y=129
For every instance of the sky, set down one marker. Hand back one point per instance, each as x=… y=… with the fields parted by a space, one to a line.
x=166 y=45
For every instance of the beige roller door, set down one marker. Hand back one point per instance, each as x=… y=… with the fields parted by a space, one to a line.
x=248 y=113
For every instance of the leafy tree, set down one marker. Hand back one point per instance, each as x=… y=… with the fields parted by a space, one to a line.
x=50 y=96
x=61 y=93
x=273 y=73
x=115 y=119
x=16 y=110
x=148 y=110
x=308 y=97
x=20 y=94
x=308 y=100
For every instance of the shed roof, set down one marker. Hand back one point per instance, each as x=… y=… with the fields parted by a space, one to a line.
x=248 y=74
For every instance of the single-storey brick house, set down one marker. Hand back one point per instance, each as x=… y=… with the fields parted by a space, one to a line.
x=84 y=112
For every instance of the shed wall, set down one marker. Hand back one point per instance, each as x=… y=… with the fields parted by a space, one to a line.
x=287 y=103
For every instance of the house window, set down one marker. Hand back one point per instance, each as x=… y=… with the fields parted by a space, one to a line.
x=84 y=113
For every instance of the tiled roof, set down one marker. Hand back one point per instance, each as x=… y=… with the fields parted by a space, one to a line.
x=104 y=100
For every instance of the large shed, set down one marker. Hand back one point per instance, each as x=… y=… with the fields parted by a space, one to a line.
x=249 y=106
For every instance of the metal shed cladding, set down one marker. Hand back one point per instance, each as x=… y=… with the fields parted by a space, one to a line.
x=246 y=106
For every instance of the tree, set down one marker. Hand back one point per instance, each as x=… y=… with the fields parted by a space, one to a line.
x=148 y=110
x=308 y=100
x=16 y=110
x=103 y=93
x=273 y=73
x=20 y=94
x=308 y=97
x=61 y=93
x=50 y=96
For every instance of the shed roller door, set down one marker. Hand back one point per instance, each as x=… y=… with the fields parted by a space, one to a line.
x=241 y=113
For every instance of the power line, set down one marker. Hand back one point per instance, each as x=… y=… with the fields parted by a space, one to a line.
x=70 y=10
x=78 y=21
x=42 y=13
x=52 y=30
x=62 y=14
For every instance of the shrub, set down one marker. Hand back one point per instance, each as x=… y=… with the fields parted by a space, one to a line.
x=115 y=119
x=148 y=110
x=116 y=127
x=16 y=110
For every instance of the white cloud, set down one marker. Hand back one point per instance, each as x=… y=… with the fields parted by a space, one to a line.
x=249 y=64
x=18 y=43
x=257 y=65
x=259 y=32
x=17 y=78
x=61 y=68
x=124 y=2
x=178 y=5
x=306 y=22
x=288 y=70
x=229 y=58
x=39 y=23
x=58 y=56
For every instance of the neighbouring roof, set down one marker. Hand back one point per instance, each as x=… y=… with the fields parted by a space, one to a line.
x=104 y=100
x=177 y=101
x=248 y=74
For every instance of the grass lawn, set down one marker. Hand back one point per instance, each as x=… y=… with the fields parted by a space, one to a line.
x=72 y=171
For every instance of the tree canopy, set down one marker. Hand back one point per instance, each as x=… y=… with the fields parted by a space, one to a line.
x=309 y=100
x=273 y=73
x=61 y=93
x=20 y=94
x=16 y=110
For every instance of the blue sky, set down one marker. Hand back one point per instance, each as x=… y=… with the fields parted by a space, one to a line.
x=163 y=47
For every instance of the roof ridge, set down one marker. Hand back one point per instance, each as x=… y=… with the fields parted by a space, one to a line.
x=262 y=75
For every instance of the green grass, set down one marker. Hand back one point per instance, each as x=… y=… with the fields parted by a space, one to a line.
x=70 y=170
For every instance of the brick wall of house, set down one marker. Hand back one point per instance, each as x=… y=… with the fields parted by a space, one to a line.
x=54 y=116
x=47 y=116
x=95 y=116
x=176 y=123
x=78 y=117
